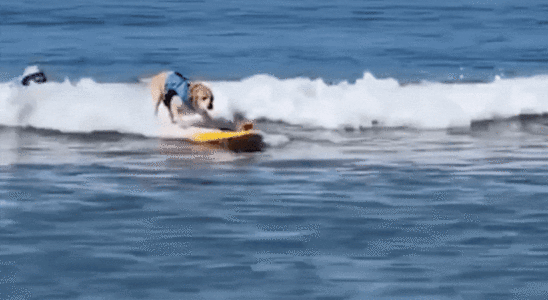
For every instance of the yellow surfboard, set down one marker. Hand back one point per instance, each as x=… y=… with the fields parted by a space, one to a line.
x=218 y=135
x=238 y=141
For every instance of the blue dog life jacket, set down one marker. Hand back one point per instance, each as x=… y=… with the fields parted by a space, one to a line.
x=179 y=84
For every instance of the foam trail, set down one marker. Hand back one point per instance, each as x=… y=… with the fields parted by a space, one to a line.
x=86 y=106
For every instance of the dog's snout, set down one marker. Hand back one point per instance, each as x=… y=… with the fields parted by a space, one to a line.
x=210 y=106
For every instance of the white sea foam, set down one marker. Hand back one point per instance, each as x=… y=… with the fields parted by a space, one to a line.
x=85 y=106
x=82 y=106
x=424 y=105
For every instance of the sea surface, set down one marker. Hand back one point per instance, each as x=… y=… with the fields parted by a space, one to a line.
x=334 y=40
x=406 y=151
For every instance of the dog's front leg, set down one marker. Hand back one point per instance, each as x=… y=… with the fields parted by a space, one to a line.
x=171 y=115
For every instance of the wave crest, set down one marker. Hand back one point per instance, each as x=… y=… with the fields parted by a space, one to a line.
x=87 y=106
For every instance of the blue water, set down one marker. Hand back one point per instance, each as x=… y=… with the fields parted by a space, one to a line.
x=340 y=40
x=363 y=213
x=400 y=214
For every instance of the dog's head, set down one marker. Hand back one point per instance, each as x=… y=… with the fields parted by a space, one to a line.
x=201 y=97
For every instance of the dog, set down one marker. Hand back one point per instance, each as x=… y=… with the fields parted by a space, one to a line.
x=196 y=98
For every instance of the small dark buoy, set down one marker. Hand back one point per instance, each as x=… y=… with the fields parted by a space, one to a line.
x=38 y=77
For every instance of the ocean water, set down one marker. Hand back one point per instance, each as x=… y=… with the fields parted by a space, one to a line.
x=405 y=151
x=219 y=40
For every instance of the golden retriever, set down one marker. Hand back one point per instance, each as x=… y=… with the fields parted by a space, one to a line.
x=196 y=98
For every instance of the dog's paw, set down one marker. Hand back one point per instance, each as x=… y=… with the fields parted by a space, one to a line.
x=245 y=126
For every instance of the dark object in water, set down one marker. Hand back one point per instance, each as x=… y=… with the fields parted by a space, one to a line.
x=36 y=77
x=252 y=143
x=481 y=125
x=521 y=119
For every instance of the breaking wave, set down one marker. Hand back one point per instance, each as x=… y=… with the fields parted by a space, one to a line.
x=87 y=106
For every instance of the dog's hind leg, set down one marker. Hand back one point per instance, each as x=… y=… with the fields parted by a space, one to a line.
x=157 y=89
x=157 y=106
x=167 y=101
